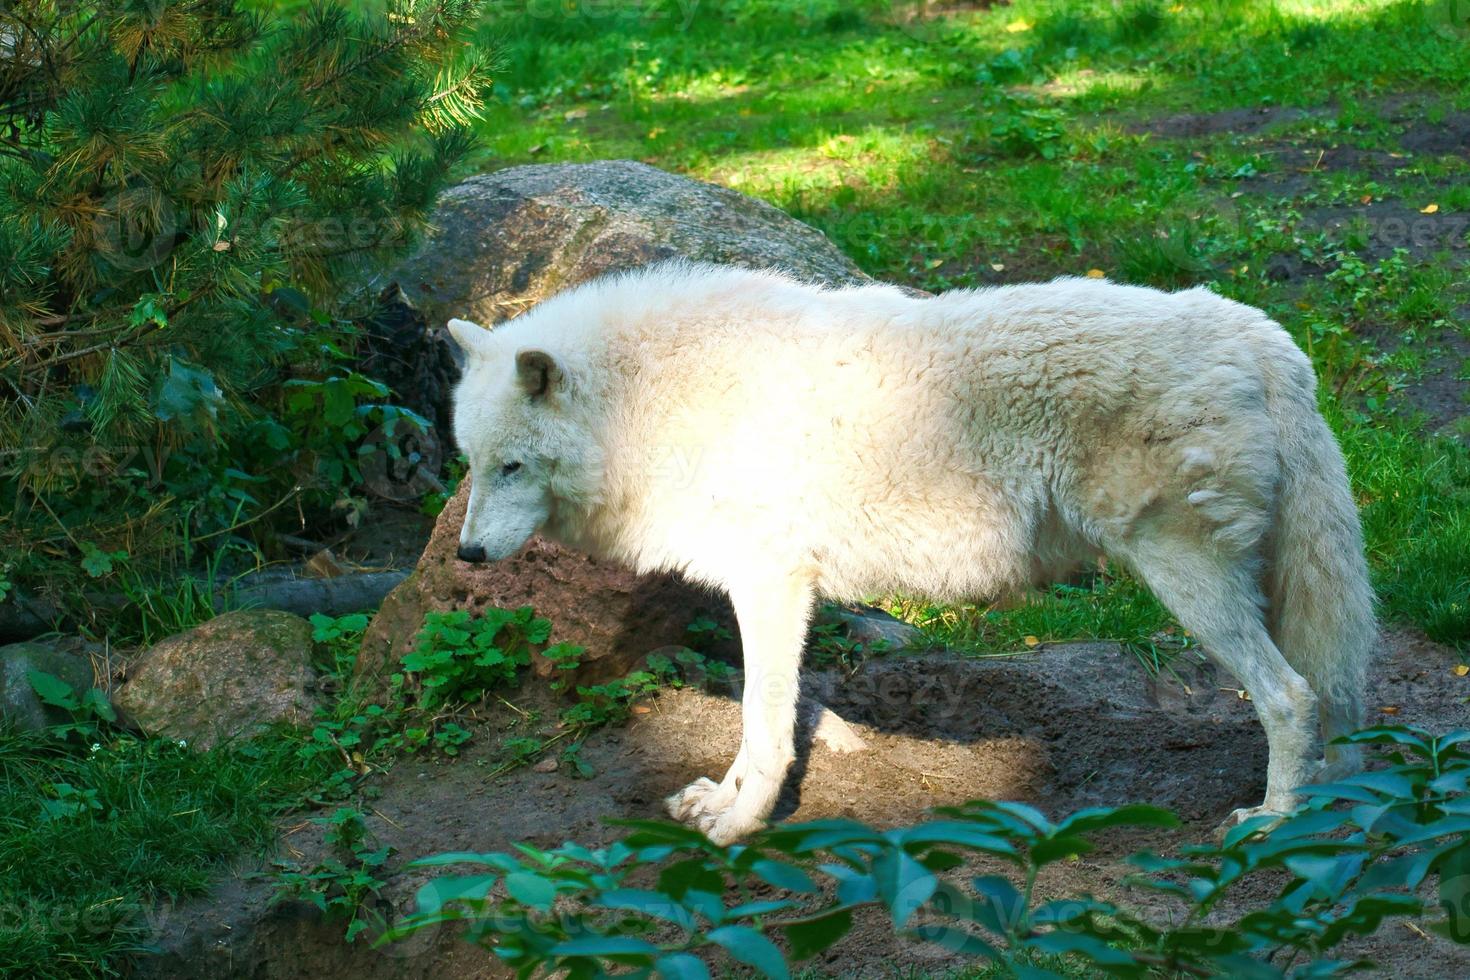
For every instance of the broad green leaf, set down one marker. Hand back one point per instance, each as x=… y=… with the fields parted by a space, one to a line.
x=97 y=702
x=1100 y=818
x=531 y=889
x=1079 y=943
x=751 y=948
x=955 y=940
x=747 y=910
x=783 y=876
x=815 y=935
x=648 y=903
x=956 y=832
x=436 y=893
x=903 y=883
x=604 y=946
x=1051 y=849
x=681 y=966
x=52 y=690
x=853 y=887
x=693 y=873
x=1454 y=893
x=1000 y=907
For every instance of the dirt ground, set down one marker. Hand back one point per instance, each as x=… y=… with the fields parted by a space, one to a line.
x=1062 y=728
x=1296 y=152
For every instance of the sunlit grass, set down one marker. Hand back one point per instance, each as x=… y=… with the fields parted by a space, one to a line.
x=987 y=145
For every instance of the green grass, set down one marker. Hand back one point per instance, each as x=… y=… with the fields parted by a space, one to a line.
x=99 y=839
x=1011 y=143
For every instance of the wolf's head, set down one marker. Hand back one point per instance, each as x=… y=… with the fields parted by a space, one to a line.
x=514 y=421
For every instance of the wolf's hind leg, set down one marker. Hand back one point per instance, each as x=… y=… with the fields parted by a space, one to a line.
x=1218 y=600
x=773 y=619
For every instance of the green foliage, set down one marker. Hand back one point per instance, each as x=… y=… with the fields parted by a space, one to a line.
x=664 y=896
x=190 y=192
x=345 y=884
x=100 y=830
x=830 y=646
x=460 y=658
x=88 y=710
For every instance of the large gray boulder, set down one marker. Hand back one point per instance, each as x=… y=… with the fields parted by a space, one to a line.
x=502 y=242
x=230 y=677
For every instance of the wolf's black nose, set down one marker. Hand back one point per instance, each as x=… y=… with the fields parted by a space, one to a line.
x=471 y=553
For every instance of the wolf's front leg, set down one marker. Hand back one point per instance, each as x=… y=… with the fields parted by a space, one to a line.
x=773 y=619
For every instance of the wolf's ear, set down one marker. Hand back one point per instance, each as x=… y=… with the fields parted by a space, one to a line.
x=471 y=337
x=539 y=372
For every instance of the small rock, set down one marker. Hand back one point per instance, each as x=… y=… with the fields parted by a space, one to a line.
x=548 y=764
x=229 y=677
x=19 y=705
x=875 y=629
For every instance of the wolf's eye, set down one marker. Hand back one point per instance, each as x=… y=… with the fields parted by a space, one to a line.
x=509 y=468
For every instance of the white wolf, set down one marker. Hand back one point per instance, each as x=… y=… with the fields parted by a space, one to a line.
x=782 y=441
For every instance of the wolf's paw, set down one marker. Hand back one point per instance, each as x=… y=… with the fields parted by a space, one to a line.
x=695 y=799
x=1245 y=813
x=709 y=807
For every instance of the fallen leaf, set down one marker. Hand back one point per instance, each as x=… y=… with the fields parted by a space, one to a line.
x=933 y=263
x=655 y=132
x=1017 y=26
x=1031 y=641
x=1096 y=274
x=1461 y=670
x=1366 y=199
x=324 y=564
x=547 y=764
x=1389 y=709
x=997 y=267
x=536 y=149
x=1429 y=209
x=572 y=114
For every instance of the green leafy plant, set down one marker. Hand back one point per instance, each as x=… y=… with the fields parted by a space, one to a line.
x=831 y=646
x=664 y=897
x=191 y=194
x=459 y=657
x=705 y=632
x=345 y=885
x=88 y=710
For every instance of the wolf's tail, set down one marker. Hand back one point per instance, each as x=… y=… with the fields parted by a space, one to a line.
x=1320 y=601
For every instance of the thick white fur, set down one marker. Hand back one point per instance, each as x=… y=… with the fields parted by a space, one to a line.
x=782 y=441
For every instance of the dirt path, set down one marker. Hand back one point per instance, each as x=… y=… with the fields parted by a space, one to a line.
x=1066 y=727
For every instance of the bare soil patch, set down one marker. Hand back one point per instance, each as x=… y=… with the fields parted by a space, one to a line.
x=1071 y=726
